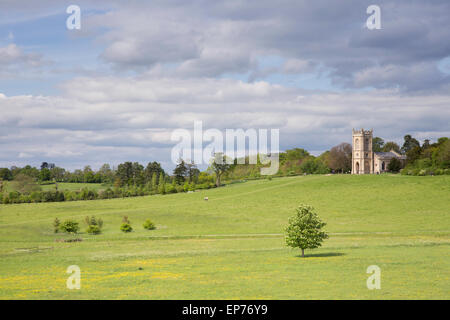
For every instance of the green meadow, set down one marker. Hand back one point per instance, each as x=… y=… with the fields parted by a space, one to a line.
x=232 y=246
x=62 y=186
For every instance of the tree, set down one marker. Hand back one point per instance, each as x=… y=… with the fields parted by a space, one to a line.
x=57 y=174
x=162 y=184
x=409 y=143
x=192 y=172
x=394 y=165
x=106 y=174
x=413 y=154
x=377 y=144
x=88 y=175
x=45 y=174
x=44 y=165
x=391 y=145
x=153 y=169
x=154 y=182
x=340 y=157
x=125 y=173
x=304 y=229
x=180 y=172
x=220 y=166
x=5 y=174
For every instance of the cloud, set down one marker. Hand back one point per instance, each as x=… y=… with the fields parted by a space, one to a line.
x=114 y=119
x=210 y=39
x=164 y=64
x=13 y=55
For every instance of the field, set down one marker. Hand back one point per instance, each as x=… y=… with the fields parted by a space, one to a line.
x=232 y=246
x=74 y=186
x=62 y=186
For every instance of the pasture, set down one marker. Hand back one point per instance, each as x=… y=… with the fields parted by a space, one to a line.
x=232 y=246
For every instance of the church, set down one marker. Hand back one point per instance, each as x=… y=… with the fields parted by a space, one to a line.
x=364 y=160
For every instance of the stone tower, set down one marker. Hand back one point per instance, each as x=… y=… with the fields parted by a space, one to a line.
x=362 y=155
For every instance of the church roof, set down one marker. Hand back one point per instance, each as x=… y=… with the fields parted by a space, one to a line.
x=389 y=155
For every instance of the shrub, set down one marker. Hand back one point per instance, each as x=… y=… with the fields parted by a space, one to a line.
x=35 y=196
x=94 y=229
x=70 y=226
x=126 y=227
x=149 y=225
x=394 y=165
x=94 y=225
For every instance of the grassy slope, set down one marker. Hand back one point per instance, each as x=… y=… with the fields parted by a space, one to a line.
x=62 y=186
x=398 y=223
x=74 y=186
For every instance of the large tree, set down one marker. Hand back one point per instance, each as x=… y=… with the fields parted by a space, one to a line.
x=220 y=166
x=180 y=172
x=192 y=172
x=377 y=144
x=409 y=143
x=5 y=174
x=305 y=229
x=391 y=145
x=340 y=157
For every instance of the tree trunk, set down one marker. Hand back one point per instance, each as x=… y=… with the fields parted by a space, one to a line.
x=217 y=180
x=303 y=253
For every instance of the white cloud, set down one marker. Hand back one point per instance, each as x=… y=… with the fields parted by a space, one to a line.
x=113 y=119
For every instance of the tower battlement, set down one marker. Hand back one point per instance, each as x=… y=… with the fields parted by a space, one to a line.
x=362 y=131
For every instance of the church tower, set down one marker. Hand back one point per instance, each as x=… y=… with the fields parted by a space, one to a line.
x=362 y=155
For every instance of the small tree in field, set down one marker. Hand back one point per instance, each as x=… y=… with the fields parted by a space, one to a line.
x=304 y=230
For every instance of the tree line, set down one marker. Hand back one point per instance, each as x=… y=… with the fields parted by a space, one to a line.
x=135 y=179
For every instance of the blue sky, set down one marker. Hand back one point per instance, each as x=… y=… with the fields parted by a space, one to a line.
x=116 y=89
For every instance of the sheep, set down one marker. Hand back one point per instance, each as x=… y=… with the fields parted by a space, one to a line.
x=205 y=198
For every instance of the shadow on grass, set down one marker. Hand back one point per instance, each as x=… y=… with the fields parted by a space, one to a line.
x=321 y=255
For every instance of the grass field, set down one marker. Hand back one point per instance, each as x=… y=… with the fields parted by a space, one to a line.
x=74 y=186
x=62 y=186
x=232 y=246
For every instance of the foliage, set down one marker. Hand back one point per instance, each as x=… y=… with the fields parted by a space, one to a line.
x=149 y=225
x=429 y=159
x=126 y=227
x=220 y=165
x=340 y=158
x=377 y=144
x=69 y=226
x=304 y=230
x=394 y=165
x=390 y=145
x=180 y=172
x=93 y=229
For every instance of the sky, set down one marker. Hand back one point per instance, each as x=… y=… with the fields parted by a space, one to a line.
x=135 y=71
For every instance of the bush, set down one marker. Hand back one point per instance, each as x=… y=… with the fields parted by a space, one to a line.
x=94 y=229
x=94 y=225
x=394 y=165
x=35 y=196
x=70 y=226
x=126 y=227
x=149 y=225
